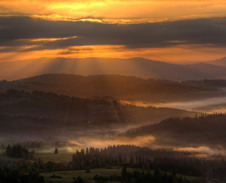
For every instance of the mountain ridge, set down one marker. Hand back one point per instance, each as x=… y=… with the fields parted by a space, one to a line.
x=139 y=67
x=119 y=87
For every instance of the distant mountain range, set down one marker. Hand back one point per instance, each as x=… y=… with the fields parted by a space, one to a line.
x=219 y=62
x=120 y=87
x=138 y=67
x=206 y=83
x=216 y=108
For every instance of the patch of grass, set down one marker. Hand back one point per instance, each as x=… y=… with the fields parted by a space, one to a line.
x=61 y=157
x=67 y=176
x=193 y=179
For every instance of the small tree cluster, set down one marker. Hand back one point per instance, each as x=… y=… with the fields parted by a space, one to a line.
x=17 y=151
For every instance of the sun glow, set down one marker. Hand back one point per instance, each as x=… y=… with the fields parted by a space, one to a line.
x=127 y=11
x=94 y=43
x=179 y=54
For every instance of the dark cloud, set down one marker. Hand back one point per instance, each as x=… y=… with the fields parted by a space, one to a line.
x=16 y=31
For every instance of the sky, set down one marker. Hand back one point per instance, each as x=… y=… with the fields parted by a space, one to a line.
x=175 y=31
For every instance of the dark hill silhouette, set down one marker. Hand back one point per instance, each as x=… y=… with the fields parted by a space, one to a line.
x=219 y=62
x=138 y=67
x=206 y=83
x=40 y=111
x=120 y=87
x=198 y=131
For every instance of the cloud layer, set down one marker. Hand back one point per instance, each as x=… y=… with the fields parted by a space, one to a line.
x=39 y=34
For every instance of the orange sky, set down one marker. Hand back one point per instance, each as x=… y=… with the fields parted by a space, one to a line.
x=114 y=12
x=178 y=54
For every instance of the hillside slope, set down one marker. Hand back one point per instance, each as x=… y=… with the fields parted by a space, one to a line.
x=199 y=131
x=120 y=87
x=37 y=111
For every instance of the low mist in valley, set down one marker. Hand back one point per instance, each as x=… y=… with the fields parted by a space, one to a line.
x=209 y=105
x=79 y=124
x=104 y=118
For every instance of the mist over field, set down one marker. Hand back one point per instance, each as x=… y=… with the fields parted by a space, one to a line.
x=66 y=111
x=210 y=105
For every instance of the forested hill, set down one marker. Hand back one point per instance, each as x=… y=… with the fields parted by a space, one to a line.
x=202 y=130
x=120 y=87
x=206 y=83
x=21 y=110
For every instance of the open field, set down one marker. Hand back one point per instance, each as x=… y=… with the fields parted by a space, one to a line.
x=61 y=157
x=68 y=176
x=112 y=174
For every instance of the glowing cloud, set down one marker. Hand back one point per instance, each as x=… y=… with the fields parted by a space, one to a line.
x=165 y=30
x=127 y=10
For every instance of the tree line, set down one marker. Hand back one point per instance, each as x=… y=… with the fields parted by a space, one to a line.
x=142 y=158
